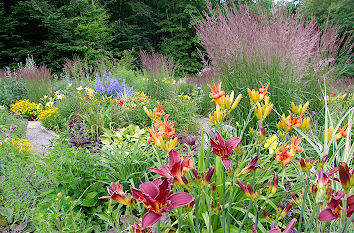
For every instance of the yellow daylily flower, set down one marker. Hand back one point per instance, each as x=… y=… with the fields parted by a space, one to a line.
x=271 y=143
x=299 y=110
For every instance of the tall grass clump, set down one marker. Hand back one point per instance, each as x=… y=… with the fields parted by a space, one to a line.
x=246 y=45
x=159 y=75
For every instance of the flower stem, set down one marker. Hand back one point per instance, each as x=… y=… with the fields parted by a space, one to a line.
x=223 y=200
x=197 y=212
x=158 y=227
x=303 y=205
x=246 y=216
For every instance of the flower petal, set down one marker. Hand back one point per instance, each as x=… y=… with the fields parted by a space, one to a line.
x=227 y=163
x=149 y=188
x=180 y=199
x=290 y=226
x=149 y=219
x=326 y=215
x=162 y=171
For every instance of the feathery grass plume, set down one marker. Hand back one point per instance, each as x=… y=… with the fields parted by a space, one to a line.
x=156 y=64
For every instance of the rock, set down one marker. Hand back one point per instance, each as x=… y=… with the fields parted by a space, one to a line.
x=39 y=136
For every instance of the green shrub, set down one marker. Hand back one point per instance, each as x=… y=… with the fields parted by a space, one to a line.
x=10 y=91
x=11 y=125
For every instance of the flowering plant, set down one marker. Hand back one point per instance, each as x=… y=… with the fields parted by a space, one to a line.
x=110 y=86
x=26 y=109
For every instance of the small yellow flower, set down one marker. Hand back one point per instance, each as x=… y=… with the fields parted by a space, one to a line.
x=69 y=85
x=79 y=88
x=299 y=110
x=59 y=195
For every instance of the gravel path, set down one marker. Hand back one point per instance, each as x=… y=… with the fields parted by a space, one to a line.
x=39 y=136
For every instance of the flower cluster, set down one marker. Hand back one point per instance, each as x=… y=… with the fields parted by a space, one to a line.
x=224 y=104
x=18 y=143
x=161 y=132
x=26 y=109
x=298 y=121
x=166 y=80
x=262 y=109
x=111 y=87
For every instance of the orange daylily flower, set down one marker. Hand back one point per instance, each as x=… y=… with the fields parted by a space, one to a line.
x=154 y=137
x=189 y=164
x=217 y=95
x=342 y=133
x=158 y=111
x=263 y=91
x=295 y=142
x=284 y=156
x=293 y=121
x=165 y=128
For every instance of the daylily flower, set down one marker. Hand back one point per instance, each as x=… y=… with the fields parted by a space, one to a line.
x=223 y=149
x=271 y=143
x=79 y=88
x=263 y=91
x=294 y=147
x=305 y=165
x=158 y=111
x=342 y=133
x=263 y=109
x=289 y=228
x=116 y=194
x=322 y=184
x=282 y=124
x=329 y=133
x=299 y=110
x=175 y=167
x=165 y=128
x=69 y=85
x=120 y=102
x=335 y=208
x=254 y=96
x=345 y=178
x=296 y=199
x=217 y=95
x=305 y=123
x=158 y=198
x=267 y=217
x=293 y=121
x=248 y=190
x=217 y=116
x=157 y=139
x=282 y=214
x=188 y=165
x=284 y=156
x=321 y=163
x=250 y=167
x=229 y=99
x=138 y=229
x=273 y=186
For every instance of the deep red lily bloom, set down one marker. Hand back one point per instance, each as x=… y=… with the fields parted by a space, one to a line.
x=116 y=194
x=174 y=169
x=223 y=149
x=138 y=229
x=273 y=186
x=248 y=190
x=345 y=177
x=158 y=198
x=251 y=166
x=335 y=208
x=288 y=229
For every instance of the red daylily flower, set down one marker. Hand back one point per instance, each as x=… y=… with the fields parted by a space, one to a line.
x=250 y=167
x=158 y=198
x=335 y=208
x=284 y=157
x=289 y=228
x=345 y=178
x=273 y=186
x=174 y=169
x=120 y=102
x=138 y=229
x=248 y=190
x=223 y=149
x=116 y=194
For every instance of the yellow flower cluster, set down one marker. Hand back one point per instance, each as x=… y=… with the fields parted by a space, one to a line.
x=168 y=80
x=49 y=113
x=19 y=144
x=27 y=109
x=184 y=97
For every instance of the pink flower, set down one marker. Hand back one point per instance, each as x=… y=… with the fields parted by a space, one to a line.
x=116 y=194
x=158 y=198
x=223 y=149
